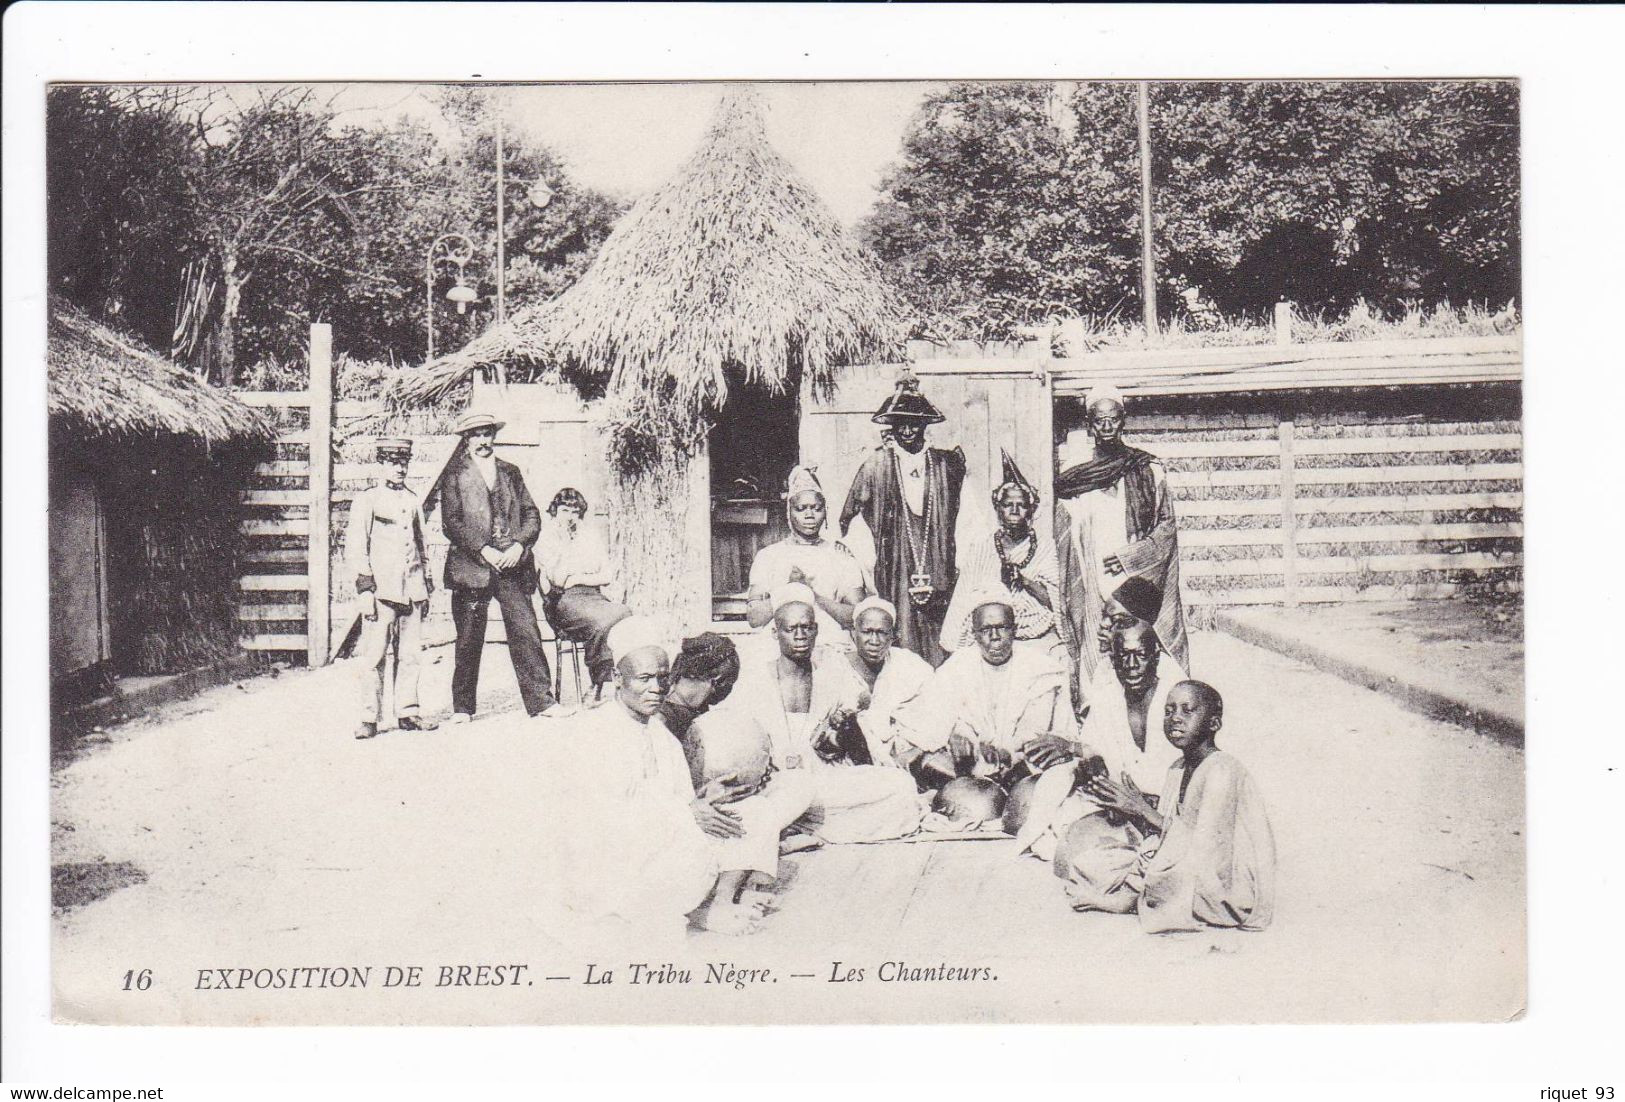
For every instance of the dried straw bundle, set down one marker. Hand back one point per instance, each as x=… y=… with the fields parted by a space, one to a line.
x=731 y=269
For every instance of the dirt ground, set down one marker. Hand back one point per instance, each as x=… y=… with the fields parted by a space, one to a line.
x=247 y=829
x=1467 y=650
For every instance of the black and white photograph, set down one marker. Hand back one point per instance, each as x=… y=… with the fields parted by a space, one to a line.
x=961 y=551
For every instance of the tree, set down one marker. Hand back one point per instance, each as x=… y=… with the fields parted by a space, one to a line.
x=1024 y=195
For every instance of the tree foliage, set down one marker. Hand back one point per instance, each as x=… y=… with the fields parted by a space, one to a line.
x=221 y=223
x=1022 y=200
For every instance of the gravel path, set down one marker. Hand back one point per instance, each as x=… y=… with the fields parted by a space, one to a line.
x=268 y=837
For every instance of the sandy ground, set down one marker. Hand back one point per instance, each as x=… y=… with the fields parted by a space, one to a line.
x=269 y=838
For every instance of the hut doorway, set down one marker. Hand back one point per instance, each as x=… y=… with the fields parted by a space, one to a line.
x=753 y=446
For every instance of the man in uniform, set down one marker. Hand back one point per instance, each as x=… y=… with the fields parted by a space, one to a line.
x=908 y=495
x=385 y=549
x=492 y=524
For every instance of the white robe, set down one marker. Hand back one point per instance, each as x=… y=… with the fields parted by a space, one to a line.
x=1005 y=706
x=831 y=573
x=897 y=717
x=727 y=745
x=849 y=803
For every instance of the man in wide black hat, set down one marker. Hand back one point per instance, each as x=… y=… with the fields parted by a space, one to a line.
x=908 y=495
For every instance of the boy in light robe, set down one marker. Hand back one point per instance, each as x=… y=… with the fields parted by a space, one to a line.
x=1205 y=854
x=794 y=705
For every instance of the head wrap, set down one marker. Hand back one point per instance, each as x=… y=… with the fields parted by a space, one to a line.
x=1102 y=392
x=875 y=601
x=632 y=634
x=791 y=593
x=1014 y=477
x=801 y=480
x=1141 y=597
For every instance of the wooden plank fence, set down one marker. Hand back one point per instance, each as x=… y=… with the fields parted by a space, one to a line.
x=1273 y=510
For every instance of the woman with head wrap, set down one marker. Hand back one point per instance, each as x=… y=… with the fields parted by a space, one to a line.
x=808 y=557
x=1015 y=559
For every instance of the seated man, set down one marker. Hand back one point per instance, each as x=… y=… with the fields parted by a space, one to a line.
x=795 y=703
x=1203 y=854
x=890 y=685
x=648 y=790
x=702 y=677
x=574 y=568
x=1119 y=734
x=991 y=702
x=805 y=556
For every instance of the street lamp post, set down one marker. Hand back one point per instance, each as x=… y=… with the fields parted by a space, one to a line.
x=453 y=248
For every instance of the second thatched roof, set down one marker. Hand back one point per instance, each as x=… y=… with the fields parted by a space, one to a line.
x=105 y=384
x=733 y=267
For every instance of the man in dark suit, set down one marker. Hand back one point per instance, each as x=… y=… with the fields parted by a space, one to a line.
x=492 y=524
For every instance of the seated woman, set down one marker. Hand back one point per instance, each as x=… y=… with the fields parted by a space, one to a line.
x=805 y=556
x=1202 y=855
x=574 y=568
x=1015 y=560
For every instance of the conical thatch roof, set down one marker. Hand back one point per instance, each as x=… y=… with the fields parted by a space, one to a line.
x=733 y=267
x=107 y=384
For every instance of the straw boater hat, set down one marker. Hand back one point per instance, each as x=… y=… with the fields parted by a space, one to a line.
x=471 y=421
x=906 y=403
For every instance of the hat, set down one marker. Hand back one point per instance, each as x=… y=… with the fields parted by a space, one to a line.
x=1141 y=597
x=1013 y=477
x=874 y=601
x=468 y=422
x=800 y=481
x=1102 y=392
x=906 y=403
x=392 y=445
x=632 y=634
x=792 y=593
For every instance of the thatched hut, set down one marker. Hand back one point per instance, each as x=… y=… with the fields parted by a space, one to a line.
x=716 y=302
x=146 y=465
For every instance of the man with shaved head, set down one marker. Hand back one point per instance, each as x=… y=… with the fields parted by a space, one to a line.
x=1201 y=854
x=992 y=701
x=797 y=702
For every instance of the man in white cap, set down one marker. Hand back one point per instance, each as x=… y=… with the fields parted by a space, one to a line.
x=806 y=556
x=993 y=701
x=893 y=681
x=492 y=524
x=1114 y=519
x=796 y=703
x=384 y=546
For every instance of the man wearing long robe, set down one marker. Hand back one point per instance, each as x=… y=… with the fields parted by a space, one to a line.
x=891 y=685
x=1114 y=519
x=793 y=705
x=1204 y=853
x=996 y=699
x=908 y=495
x=1011 y=558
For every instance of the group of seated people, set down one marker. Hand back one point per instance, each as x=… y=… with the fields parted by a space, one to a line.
x=835 y=734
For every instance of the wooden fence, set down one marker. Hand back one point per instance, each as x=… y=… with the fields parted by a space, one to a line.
x=1280 y=500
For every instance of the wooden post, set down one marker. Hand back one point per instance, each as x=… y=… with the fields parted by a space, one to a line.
x=318 y=560
x=1289 y=517
x=1148 y=255
x=1283 y=323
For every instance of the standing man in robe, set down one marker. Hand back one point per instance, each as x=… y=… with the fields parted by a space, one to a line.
x=385 y=549
x=1114 y=519
x=908 y=495
x=1012 y=558
x=806 y=556
x=492 y=524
